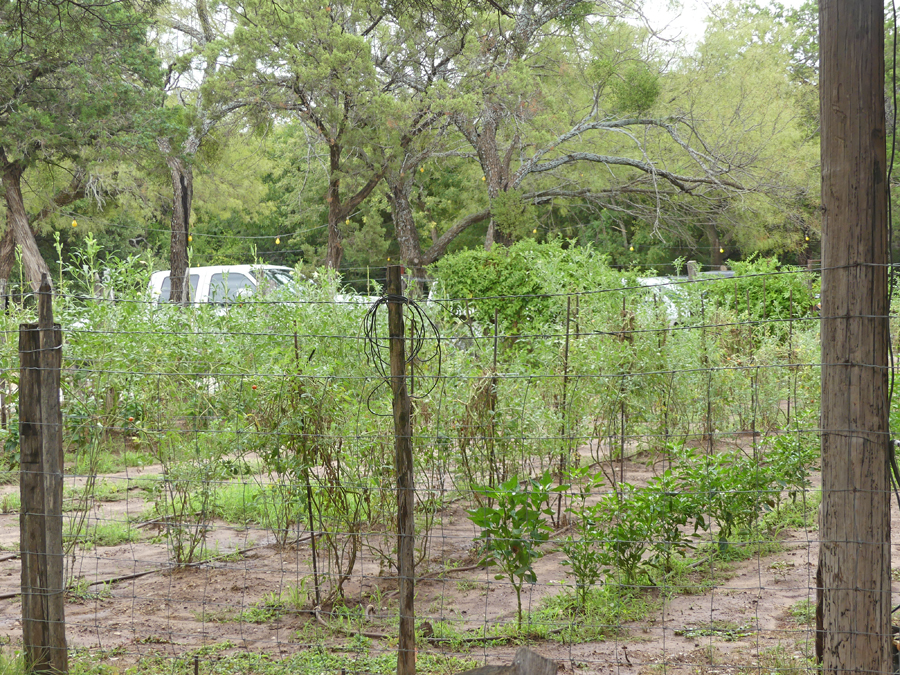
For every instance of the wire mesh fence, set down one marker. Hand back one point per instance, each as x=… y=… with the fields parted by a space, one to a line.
x=625 y=478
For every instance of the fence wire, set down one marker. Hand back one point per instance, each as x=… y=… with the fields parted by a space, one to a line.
x=626 y=480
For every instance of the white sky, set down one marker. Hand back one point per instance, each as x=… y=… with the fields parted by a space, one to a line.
x=685 y=21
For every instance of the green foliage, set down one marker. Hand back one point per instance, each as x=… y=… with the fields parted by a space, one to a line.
x=731 y=490
x=522 y=283
x=600 y=615
x=637 y=89
x=764 y=289
x=515 y=217
x=515 y=527
x=584 y=558
x=252 y=409
x=793 y=455
x=222 y=659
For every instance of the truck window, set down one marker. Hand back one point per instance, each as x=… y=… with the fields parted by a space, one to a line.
x=166 y=290
x=225 y=287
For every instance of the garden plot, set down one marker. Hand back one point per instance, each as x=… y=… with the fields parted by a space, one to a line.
x=249 y=594
x=589 y=478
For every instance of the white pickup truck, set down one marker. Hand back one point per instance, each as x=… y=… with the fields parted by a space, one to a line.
x=223 y=283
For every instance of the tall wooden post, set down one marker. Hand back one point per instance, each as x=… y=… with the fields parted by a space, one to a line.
x=403 y=460
x=855 y=515
x=41 y=485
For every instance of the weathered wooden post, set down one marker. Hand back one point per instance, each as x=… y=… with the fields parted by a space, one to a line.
x=41 y=486
x=403 y=460
x=855 y=526
x=693 y=270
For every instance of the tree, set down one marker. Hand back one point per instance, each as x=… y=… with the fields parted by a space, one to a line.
x=191 y=74
x=75 y=77
x=548 y=95
x=313 y=64
x=740 y=89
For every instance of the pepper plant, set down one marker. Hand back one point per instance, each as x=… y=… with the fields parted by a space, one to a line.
x=515 y=526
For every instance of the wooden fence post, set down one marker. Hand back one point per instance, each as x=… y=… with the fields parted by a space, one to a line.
x=693 y=270
x=41 y=488
x=403 y=460
x=855 y=520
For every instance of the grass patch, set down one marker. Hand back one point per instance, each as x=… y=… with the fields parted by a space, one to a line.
x=239 y=503
x=12 y=663
x=606 y=608
x=756 y=545
x=803 y=612
x=109 y=533
x=105 y=460
x=693 y=576
x=11 y=503
x=800 y=514
x=102 y=491
x=271 y=608
x=216 y=659
x=784 y=659
x=81 y=590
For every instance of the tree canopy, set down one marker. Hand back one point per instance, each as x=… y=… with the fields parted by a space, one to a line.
x=359 y=133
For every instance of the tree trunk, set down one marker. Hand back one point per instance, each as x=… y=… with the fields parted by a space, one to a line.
x=7 y=251
x=496 y=170
x=34 y=264
x=183 y=192
x=855 y=515
x=335 y=250
x=715 y=258
x=439 y=248
x=405 y=228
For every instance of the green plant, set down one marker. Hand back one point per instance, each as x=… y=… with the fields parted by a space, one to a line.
x=793 y=455
x=764 y=289
x=669 y=510
x=584 y=558
x=731 y=490
x=185 y=499
x=624 y=533
x=602 y=612
x=10 y=503
x=803 y=612
x=80 y=590
x=88 y=535
x=728 y=631
x=514 y=528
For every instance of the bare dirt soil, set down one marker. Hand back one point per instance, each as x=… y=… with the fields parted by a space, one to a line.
x=746 y=619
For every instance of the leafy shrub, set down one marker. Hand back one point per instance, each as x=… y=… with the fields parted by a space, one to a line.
x=524 y=283
x=774 y=291
x=730 y=490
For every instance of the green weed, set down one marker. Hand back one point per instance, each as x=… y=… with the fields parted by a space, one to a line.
x=107 y=533
x=803 y=612
x=605 y=610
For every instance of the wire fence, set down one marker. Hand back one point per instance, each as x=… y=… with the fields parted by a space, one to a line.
x=626 y=479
